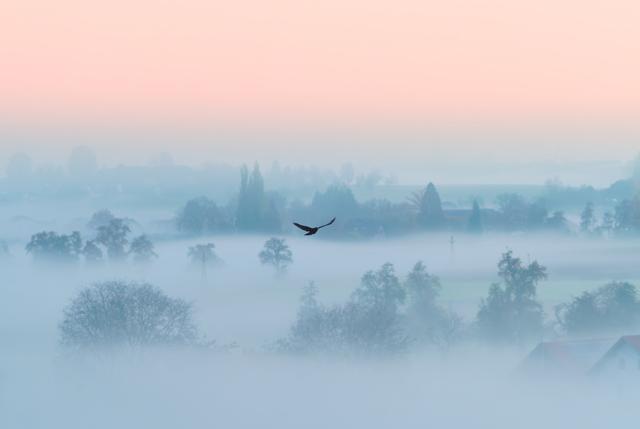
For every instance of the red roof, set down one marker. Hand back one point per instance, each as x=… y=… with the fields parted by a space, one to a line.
x=566 y=356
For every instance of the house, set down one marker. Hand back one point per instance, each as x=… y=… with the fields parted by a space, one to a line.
x=621 y=361
x=570 y=358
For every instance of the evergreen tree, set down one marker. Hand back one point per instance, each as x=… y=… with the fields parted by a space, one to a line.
x=430 y=214
x=255 y=212
x=242 y=213
x=255 y=200
x=587 y=218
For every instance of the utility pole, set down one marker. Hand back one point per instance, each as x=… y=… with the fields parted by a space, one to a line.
x=452 y=243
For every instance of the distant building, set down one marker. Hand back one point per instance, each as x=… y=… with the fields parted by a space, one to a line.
x=567 y=358
x=621 y=361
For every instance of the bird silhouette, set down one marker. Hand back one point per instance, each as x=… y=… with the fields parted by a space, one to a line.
x=312 y=230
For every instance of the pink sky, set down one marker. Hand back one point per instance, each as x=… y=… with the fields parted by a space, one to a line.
x=341 y=60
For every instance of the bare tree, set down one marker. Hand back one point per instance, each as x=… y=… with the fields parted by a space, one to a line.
x=118 y=313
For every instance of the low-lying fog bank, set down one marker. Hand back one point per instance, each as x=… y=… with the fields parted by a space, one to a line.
x=242 y=302
x=253 y=305
x=168 y=390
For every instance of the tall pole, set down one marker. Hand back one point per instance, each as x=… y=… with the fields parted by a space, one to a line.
x=452 y=243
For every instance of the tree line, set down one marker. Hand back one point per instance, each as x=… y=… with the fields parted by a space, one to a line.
x=256 y=210
x=110 y=241
x=387 y=314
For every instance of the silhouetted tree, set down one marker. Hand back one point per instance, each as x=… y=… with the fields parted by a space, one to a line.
x=380 y=290
x=375 y=324
x=114 y=237
x=423 y=311
x=203 y=255
x=53 y=247
x=537 y=216
x=611 y=309
x=113 y=314
x=558 y=222
x=517 y=214
x=336 y=200
x=368 y=324
x=202 y=216
x=276 y=253
x=475 y=220
x=511 y=312
x=100 y=218
x=250 y=199
x=627 y=216
x=142 y=250
x=255 y=212
x=514 y=210
x=430 y=214
x=427 y=322
x=607 y=224
x=92 y=253
x=317 y=329
x=587 y=218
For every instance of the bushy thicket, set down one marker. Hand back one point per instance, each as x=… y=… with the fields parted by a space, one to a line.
x=384 y=316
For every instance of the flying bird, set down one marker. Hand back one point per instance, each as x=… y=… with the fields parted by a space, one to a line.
x=312 y=230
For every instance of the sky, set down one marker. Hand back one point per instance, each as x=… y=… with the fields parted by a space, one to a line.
x=456 y=79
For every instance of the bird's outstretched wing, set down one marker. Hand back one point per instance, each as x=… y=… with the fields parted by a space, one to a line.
x=327 y=224
x=303 y=227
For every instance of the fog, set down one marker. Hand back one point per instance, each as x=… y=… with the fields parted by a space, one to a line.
x=242 y=303
x=269 y=351
x=336 y=214
x=525 y=152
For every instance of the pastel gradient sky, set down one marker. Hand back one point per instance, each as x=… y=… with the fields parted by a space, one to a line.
x=366 y=62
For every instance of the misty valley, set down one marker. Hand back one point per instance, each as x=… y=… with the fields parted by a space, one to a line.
x=171 y=296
